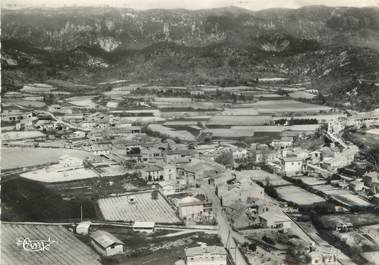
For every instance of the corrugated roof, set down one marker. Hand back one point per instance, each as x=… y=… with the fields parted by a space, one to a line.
x=105 y=239
x=66 y=250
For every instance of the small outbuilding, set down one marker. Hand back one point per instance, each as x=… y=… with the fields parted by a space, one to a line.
x=83 y=228
x=147 y=227
x=106 y=244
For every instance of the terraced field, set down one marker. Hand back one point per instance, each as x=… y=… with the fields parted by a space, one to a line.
x=66 y=250
x=144 y=209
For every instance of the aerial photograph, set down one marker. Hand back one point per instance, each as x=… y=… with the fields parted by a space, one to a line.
x=193 y=132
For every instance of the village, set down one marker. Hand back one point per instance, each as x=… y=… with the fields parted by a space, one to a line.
x=153 y=174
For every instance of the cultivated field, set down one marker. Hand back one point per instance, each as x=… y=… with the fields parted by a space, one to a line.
x=302 y=94
x=144 y=209
x=27 y=157
x=25 y=103
x=345 y=197
x=242 y=120
x=171 y=133
x=361 y=219
x=281 y=106
x=264 y=177
x=83 y=101
x=67 y=249
x=298 y=195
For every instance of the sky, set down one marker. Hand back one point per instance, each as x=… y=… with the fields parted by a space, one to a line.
x=190 y=4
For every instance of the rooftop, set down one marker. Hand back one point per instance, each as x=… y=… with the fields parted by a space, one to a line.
x=196 y=251
x=105 y=239
x=66 y=250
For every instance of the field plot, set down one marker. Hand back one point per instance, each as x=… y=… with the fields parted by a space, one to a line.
x=27 y=157
x=302 y=94
x=24 y=103
x=362 y=219
x=265 y=177
x=298 y=195
x=144 y=209
x=83 y=101
x=352 y=200
x=172 y=133
x=373 y=131
x=372 y=231
x=66 y=250
x=37 y=88
x=312 y=181
x=277 y=106
x=231 y=133
x=242 y=120
x=346 y=197
x=372 y=257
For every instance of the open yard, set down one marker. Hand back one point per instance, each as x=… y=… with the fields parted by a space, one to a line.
x=145 y=208
x=159 y=248
x=298 y=195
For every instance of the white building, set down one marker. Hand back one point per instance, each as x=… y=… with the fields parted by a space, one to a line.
x=106 y=244
x=272 y=219
x=191 y=208
x=323 y=257
x=291 y=166
x=206 y=255
x=146 y=227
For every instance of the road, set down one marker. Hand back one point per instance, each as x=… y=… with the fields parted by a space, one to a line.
x=229 y=237
x=60 y=120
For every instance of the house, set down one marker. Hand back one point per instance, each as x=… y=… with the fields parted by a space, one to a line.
x=198 y=170
x=13 y=115
x=344 y=227
x=315 y=157
x=106 y=244
x=77 y=135
x=178 y=156
x=371 y=180
x=291 y=165
x=151 y=154
x=152 y=173
x=241 y=192
x=101 y=148
x=239 y=154
x=206 y=255
x=159 y=172
x=284 y=142
x=273 y=219
x=323 y=257
x=356 y=185
x=191 y=208
x=146 y=227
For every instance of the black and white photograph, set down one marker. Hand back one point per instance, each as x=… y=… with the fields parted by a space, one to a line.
x=189 y=132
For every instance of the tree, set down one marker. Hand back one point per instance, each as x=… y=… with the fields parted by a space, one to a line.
x=226 y=159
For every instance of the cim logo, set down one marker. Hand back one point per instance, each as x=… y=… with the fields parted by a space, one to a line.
x=34 y=245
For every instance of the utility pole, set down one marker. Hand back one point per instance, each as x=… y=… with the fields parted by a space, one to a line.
x=81 y=212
